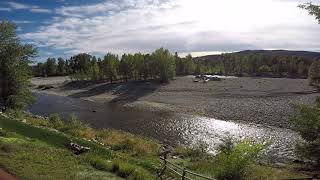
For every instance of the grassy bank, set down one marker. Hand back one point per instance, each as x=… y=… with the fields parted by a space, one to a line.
x=33 y=148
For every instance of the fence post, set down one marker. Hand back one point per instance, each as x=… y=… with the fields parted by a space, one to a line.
x=184 y=174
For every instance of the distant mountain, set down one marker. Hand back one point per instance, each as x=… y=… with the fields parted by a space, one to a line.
x=305 y=54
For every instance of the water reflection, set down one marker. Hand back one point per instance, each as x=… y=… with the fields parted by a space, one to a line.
x=167 y=127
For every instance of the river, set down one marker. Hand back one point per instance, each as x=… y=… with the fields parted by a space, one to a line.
x=169 y=128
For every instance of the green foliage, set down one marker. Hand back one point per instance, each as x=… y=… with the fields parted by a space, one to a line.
x=307 y=123
x=129 y=171
x=61 y=69
x=101 y=164
x=231 y=163
x=110 y=63
x=264 y=69
x=15 y=72
x=313 y=10
x=166 y=64
x=314 y=73
x=56 y=121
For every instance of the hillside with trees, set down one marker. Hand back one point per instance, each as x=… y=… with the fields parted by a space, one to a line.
x=163 y=65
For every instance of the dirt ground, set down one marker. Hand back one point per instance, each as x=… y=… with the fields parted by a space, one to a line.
x=5 y=176
x=266 y=101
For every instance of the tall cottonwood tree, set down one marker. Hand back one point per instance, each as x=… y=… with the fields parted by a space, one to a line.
x=15 y=71
x=166 y=64
x=314 y=70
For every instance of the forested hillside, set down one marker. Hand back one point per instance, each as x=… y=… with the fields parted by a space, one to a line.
x=270 y=63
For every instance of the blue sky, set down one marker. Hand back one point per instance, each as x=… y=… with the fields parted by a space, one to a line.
x=67 y=27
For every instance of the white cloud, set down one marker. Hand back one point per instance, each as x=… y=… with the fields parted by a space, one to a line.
x=40 y=10
x=5 y=9
x=16 y=5
x=180 y=25
x=35 y=9
x=23 y=22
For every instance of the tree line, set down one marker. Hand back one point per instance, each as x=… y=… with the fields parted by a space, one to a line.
x=163 y=65
x=158 y=65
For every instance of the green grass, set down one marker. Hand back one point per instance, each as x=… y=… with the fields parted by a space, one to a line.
x=31 y=152
x=29 y=158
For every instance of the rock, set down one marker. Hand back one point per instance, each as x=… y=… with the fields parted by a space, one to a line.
x=280 y=165
x=297 y=161
x=174 y=157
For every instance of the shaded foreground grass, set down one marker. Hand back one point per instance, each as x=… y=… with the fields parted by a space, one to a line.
x=33 y=150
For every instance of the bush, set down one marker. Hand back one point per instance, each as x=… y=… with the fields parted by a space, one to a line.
x=8 y=148
x=307 y=123
x=199 y=150
x=264 y=69
x=100 y=164
x=231 y=163
x=15 y=113
x=119 y=140
x=140 y=174
x=122 y=169
x=56 y=121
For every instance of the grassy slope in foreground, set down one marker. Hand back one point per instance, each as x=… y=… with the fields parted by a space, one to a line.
x=31 y=152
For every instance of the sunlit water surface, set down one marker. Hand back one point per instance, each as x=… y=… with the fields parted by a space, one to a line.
x=167 y=127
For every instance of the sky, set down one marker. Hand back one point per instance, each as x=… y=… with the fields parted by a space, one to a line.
x=62 y=28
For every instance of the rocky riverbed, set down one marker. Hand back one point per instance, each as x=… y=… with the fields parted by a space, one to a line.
x=265 y=101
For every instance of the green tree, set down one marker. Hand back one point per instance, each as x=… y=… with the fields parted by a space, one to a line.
x=15 y=72
x=313 y=10
x=314 y=73
x=188 y=65
x=111 y=62
x=165 y=62
x=61 y=69
x=95 y=70
x=51 y=67
x=264 y=69
x=307 y=123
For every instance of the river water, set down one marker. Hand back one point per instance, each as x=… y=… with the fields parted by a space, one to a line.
x=169 y=128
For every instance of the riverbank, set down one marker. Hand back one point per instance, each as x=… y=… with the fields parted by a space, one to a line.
x=266 y=101
x=42 y=150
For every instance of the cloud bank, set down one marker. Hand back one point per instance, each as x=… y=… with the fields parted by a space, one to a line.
x=180 y=25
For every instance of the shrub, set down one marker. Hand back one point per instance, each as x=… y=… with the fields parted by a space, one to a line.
x=140 y=174
x=100 y=164
x=15 y=113
x=307 y=123
x=264 y=69
x=198 y=151
x=56 y=121
x=122 y=169
x=7 y=148
x=231 y=163
x=119 y=140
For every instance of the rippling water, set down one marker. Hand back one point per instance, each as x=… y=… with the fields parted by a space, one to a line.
x=167 y=127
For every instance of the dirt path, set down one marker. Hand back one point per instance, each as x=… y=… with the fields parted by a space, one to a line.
x=6 y=176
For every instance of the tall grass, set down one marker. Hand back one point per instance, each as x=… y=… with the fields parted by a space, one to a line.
x=117 y=140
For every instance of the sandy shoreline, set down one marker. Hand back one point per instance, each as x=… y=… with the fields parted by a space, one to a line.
x=265 y=101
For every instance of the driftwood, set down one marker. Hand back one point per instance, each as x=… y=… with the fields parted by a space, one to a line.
x=77 y=149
